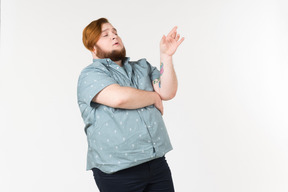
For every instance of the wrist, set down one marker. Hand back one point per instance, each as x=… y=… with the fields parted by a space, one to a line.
x=164 y=57
x=156 y=97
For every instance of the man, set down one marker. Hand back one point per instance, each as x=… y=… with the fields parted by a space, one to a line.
x=121 y=105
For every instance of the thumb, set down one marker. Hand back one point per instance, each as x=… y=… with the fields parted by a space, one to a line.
x=163 y=39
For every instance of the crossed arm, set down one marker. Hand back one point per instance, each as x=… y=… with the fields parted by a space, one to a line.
x=165 y=87
x=128 y=98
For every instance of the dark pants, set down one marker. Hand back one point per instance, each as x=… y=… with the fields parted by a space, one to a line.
x=152 y=176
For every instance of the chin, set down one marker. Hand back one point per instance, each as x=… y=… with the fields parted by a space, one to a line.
x=118 y=48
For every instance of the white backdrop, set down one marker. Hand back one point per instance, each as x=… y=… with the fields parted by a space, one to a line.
x=228 y=123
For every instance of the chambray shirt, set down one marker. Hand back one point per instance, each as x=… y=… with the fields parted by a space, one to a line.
x=120 y=138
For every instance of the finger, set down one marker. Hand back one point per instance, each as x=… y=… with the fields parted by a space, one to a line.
x=163 y=39
x=178 y=37
x=172 y=31
x=174 y=35
x=160 y=110
x=179 y=42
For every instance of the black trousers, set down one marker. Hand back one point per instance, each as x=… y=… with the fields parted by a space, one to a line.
x=152 y=176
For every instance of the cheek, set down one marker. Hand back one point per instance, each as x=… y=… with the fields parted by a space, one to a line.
x=120 y=40
x=103 y=45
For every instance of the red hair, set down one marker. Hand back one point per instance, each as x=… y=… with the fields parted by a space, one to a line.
x=92 y=32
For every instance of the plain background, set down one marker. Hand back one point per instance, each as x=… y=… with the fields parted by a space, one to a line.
x=228 y=123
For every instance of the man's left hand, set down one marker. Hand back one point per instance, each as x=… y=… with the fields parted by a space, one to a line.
x=170 y=43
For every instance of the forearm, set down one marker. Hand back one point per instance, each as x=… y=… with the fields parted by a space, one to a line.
x=168 y=80
x=126 y=97
x=132 y=98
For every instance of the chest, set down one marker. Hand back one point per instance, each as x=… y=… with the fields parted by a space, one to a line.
x=132 y=76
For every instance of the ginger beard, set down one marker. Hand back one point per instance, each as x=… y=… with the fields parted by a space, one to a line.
x=114 y=55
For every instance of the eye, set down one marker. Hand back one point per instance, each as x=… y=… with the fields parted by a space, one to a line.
x=105 y=35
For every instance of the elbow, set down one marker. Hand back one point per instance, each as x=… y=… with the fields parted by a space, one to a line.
x=168 y=93
x=168 y=96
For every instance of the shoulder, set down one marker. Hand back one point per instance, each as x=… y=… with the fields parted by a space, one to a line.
x=93 y=67
x=94 y=71
x=143 y=63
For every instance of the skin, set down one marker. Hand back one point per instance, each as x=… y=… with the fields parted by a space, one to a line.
x=168 y=80
x=131 y=98
x=109 y=41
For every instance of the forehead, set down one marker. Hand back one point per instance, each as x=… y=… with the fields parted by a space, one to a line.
x=107 y=26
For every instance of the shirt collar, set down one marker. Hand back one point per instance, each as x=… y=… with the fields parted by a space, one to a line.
x=107 y=61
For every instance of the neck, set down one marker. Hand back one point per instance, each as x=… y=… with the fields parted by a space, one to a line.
x=117 y=62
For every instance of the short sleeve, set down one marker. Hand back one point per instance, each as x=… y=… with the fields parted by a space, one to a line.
x=91 y=81
x=154 y=72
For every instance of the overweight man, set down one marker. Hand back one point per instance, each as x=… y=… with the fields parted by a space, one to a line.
x=121 y=105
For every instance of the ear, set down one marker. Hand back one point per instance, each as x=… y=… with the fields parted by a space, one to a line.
x=94 y=53
x=94 y=50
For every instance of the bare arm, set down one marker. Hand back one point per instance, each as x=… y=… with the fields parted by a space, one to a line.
x=167 y=85
x=128 y=98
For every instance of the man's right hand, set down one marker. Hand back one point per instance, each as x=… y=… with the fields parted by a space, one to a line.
x=158 y=103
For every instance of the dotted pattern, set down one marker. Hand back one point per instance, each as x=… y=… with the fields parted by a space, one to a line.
x=120 y=138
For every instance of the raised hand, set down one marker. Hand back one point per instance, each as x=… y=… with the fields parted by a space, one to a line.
x=170 y=43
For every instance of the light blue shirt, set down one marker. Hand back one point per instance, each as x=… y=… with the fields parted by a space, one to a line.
x=120 y=138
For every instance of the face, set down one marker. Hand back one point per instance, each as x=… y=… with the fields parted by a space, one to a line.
x=110 y=44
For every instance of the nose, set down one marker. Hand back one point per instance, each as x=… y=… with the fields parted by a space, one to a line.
x=113 y=36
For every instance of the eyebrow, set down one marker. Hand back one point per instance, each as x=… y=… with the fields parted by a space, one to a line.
x=108 y=29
